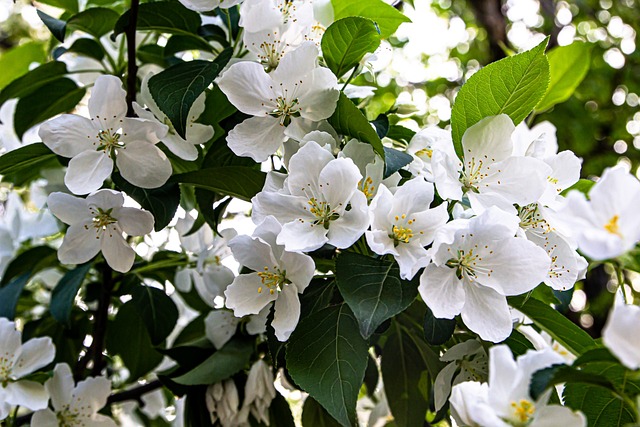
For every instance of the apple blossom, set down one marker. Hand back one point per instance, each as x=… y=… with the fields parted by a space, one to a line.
x=17 y=360
x=259 y=391
x=402 y=224
x=97 y=224
x=93 y=145
x=618 y=334
x=223 y=405
x=74 y=406
x=319 y=204
x=421 y=148
x=207 y=5
x=475 y=264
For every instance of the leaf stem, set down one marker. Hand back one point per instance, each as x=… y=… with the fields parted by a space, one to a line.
x=353 y=73
x=132 y=67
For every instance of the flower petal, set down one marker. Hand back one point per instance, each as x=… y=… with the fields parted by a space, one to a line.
x=257 y=137
x=90 y=395
x=220 y=326
x=67 y=208
x=486 y=313
x=299 y=236
x=286 y=312
x=69 y=135
x=249 y=88
x=299 y=268
x=60 y=386
x=80 y=244
x=133 y=221
x=107 y=102
x=36 y=353
x=117 y=252
x=253 y=253
x=442 y=291
x=248 y=295
x=44 y=418
x=352 y=224
x=87 y=171
x=29 y=394
x=143 y=165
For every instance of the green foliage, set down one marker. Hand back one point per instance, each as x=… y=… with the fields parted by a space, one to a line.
x=96 y=21
x=165 y=16
x=347 y=41
x=568 y=66
x=437 y=331
x=373 y=289
x=386 y=17
x=327 y=357
x=237 y=181
x=176 y=88
x=58 y=27
x=350 y=121
x=10 y=293
x=68 y=5
x=64 y=294
x=511 y=86
x=583 y=186
x=157 y=310
x=25 y=158
x=87 y=47
x=395 y=160
x=32 y=80
x=314 y=415
x=16 y=62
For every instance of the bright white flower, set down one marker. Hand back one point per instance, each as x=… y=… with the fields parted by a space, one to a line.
x=618 y=334
x=279 y=275
x=17 y=360
x=490 y=175
x=505 y=400
x=94 y=144
x=207 y=5
x=96 y=224
x=298 y=89
x=223 y=405
x=402 y=224
x=220 y=326
x=74 y=406
x=423 y=144
x=477 y=263
x=259 y=391
x=196 y=133
x=320 y=203
x=608 y=224
x=542 y=340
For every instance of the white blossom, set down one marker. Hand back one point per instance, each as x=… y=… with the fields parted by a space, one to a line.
x=96 y=224
x=207 y=5
x=94 y=144
x=223 y=405
x=279 y=275
x=74 y=405
x=17 y=360
x=421 y=148
x=259 y=391
x=618 y=334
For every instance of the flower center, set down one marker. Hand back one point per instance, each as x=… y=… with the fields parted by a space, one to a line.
x=402 y=233
x=428 y=152
x=322 y=212
x=473 y=173
x=466 y=263
x=109 y=140
x=285 y=110
x=274 y=280
x=6 y=364
x=522 y=411
x=612 y=226
x=530 y=218
x=102 y=219
x=66 y=418
x=367 y=187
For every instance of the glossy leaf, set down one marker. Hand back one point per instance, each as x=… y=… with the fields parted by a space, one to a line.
x=314 y=415
x=437 y=331
x=386 y=17
x=32 y=80
x=395 y=160
x=17 y=61
x=164 y=16
x=347 y=41
x=58 y=27
x=157 y=310
x=26 y=157
x=237 y=181
x=96 y=21
x=10 y=293
x=64 y=294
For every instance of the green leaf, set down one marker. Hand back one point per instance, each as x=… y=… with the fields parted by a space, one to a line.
x=347 y=41
x=58 y=96
x=162 y=202
x=230 y=359
x=16 y=62
x=568 y=66
x=518 y=343
x=96 y=21
x=10 y=293
x=437 y=331
x=400 y=133
x=87 y=47
x=32 y=80
x=373 y=289
x=542 y=379
x=127 y=336
x=180 y=43
x=32 y=260
x=157 y=310
x=395 y=160
x=65 y=292
x=350 y=121
x=327 y=357
x=402 y=367
x=511 y=86
x=237 y=181
x=583 y=186
x=314 y=415
x=555 y=324
x=176 y=88
x=371 y=376
x=280 y=412
x=57 y=27
x=26 y=157
x=385 y=16
x=216 y=107
x=165 y=16
x=595 y=355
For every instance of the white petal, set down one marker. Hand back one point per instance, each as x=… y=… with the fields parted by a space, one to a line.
x=338 y=181
x=90 y=395
x=143 y=165
x=411 y=258
x=352 y=224
x=107 y=102
x=257 y=323
x=67 y=208
x=252 y=253
x=486 y=313
x=249 y=88
x=520 y=180
x=299 y=268
x=257 y=137
x=298 y=236
x=36 y=353
x=10 y=339
x=248 y=295
x=441 y=290
x=135 y=130
x=298 y=62
x=556 y=415
x=220 y=326
x=489 y=140
x=105 y=199
x=317 y=94
x=215 y=280
x=503 y=372
x=305 y=167
x=69 y=135
x=286 y=312
x=87 y=171
x=29 y=394
x=117 y=252
x=615 y=335
x=60 y=386
x=79 y=244
x=44 y=418
x=134 y=222
x=446 y=174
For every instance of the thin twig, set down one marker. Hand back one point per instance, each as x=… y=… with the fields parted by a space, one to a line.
x=132 y=67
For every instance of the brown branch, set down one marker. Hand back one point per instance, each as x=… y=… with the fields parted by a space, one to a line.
x=490 y=17
x=548 y=9
x=132 y=67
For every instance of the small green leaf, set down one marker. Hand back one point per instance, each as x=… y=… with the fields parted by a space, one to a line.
x=58 y=27
x=16 y=61
x=555 y=324
x=518 y=343
x=583 y=186
x=347 y=41
x=437 y=331
x=511 y=86
x=27 y=157
x=568 y=66
x=157 y=310
x=400 y=133
x=237 y=181
x=350 y=121
x=373 y=289
x=395 y=160
x=314 y=415
x=222 y=364
x=176 y=88
x=10 y=293
x=163 y=16
x=87 y=47
x=32 y=260
x=559 y=374
x=327 y=357
x=384 y=15
x=180 y=43
x=32 y=80
x=96 y=21
x=162 y=202
x=65 y=292
x=58 y=96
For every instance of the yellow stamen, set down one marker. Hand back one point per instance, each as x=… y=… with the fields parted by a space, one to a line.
x=612 y=226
